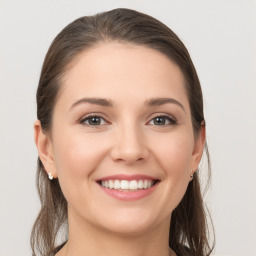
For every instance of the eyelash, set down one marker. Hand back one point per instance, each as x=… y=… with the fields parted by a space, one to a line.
x=82 y=121
x=170 y=119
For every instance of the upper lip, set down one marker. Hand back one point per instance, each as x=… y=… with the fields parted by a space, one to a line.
x=128 y=177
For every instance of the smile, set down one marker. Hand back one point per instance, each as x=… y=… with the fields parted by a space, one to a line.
x=127 y=185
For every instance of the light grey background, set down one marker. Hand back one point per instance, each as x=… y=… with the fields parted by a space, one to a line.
x=220 y=36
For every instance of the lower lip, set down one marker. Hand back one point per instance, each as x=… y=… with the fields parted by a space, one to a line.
x=129 y=196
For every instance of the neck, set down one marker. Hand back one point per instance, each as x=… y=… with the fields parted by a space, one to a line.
x=86 y=239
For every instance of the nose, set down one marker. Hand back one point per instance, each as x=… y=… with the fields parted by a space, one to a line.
x=129 y=146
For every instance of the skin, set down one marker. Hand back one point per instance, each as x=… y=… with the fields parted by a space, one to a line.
x=126 y=140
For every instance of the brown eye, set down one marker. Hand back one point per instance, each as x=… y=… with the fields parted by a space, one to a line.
x=93 y=121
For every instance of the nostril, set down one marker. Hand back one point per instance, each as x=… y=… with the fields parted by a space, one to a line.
x=129 y=147
x=129 y=155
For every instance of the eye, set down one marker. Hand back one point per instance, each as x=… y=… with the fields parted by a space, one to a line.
x=163 y=120
x=93 y=120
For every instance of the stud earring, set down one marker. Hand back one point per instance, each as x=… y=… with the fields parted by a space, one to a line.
x=192 y=174
x=50 y=176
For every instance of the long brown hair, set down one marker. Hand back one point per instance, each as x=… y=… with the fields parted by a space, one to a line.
x=189 y=227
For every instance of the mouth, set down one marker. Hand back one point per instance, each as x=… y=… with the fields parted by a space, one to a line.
x=127 y=185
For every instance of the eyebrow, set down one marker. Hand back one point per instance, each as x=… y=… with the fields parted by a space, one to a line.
x=161 y=101
x=108 y=103
x=95 y=101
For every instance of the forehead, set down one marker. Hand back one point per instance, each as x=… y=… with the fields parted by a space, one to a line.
x=117 y=70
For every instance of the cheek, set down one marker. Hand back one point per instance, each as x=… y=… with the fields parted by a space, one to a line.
x=76 y=159
x=78 y=156
x=174 y=155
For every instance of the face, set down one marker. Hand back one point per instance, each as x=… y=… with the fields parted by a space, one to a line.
x=122 y=142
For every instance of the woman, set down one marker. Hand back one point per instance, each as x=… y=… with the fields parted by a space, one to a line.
x=120 y=134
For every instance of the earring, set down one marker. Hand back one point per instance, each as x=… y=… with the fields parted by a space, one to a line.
x=50 y=176
x=192 y=174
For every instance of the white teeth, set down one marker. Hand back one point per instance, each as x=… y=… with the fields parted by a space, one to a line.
x=110 y=184
x=124 y=184
x=116 y=184
x=140 y=184
x=133 y=184
x=145 y=184
x=127 y=185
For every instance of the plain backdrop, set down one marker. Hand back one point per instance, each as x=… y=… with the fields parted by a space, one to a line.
x=220 y=36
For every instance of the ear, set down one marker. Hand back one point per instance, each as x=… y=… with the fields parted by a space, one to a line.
x=198 y=148
x=45 y=149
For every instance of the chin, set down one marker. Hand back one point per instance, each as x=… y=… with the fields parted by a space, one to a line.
x=129 y=222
